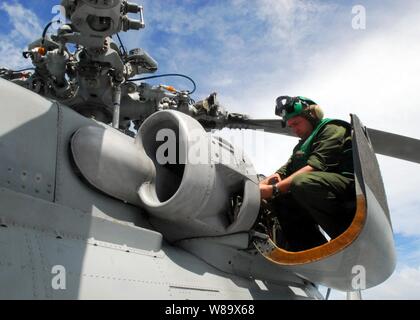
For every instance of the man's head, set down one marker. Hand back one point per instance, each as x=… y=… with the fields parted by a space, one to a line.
x=300 y=126
x=307 y=113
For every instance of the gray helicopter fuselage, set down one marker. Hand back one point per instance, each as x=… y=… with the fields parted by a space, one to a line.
x=61 y=238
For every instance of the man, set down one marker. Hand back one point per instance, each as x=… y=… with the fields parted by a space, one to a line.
x=316 y=186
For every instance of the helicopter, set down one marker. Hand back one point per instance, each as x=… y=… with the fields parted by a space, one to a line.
x=87 y=201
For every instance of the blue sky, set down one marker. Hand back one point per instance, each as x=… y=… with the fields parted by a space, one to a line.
x=251 y=51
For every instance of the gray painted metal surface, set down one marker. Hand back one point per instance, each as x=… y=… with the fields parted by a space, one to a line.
x=373 y=251
x=394 y=145
x=112 y=162
x=113 y=262
x=28 y=130
x=107 y=247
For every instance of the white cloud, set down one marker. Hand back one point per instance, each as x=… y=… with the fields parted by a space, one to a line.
x=25 y=28
x=401 y=179
x=403 y=284
x=376 y=79
x=245 y=41
x=291 y=20
x=408 y=252
x=26 y=25
x=11 y=56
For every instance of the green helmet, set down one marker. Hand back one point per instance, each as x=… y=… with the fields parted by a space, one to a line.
x=289 y=107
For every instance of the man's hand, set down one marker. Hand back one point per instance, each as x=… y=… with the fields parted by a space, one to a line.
x=266 y=191
x=266 y=186
x=274 y=178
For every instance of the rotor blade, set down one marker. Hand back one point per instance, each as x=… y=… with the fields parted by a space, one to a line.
x=385 y=143
x=394 y=145
x=268 y=125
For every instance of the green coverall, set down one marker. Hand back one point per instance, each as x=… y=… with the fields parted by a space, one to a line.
x=325 y=197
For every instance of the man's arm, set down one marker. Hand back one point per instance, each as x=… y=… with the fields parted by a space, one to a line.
x=282 y=185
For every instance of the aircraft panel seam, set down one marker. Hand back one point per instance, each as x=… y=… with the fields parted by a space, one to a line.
x=32 y=266
x=66 y=236
x=58 y=152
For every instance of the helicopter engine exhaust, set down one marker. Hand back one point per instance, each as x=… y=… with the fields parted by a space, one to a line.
x=190 y=182
x=203 y=186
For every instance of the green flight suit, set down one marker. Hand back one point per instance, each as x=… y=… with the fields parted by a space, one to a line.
x=325 y=197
